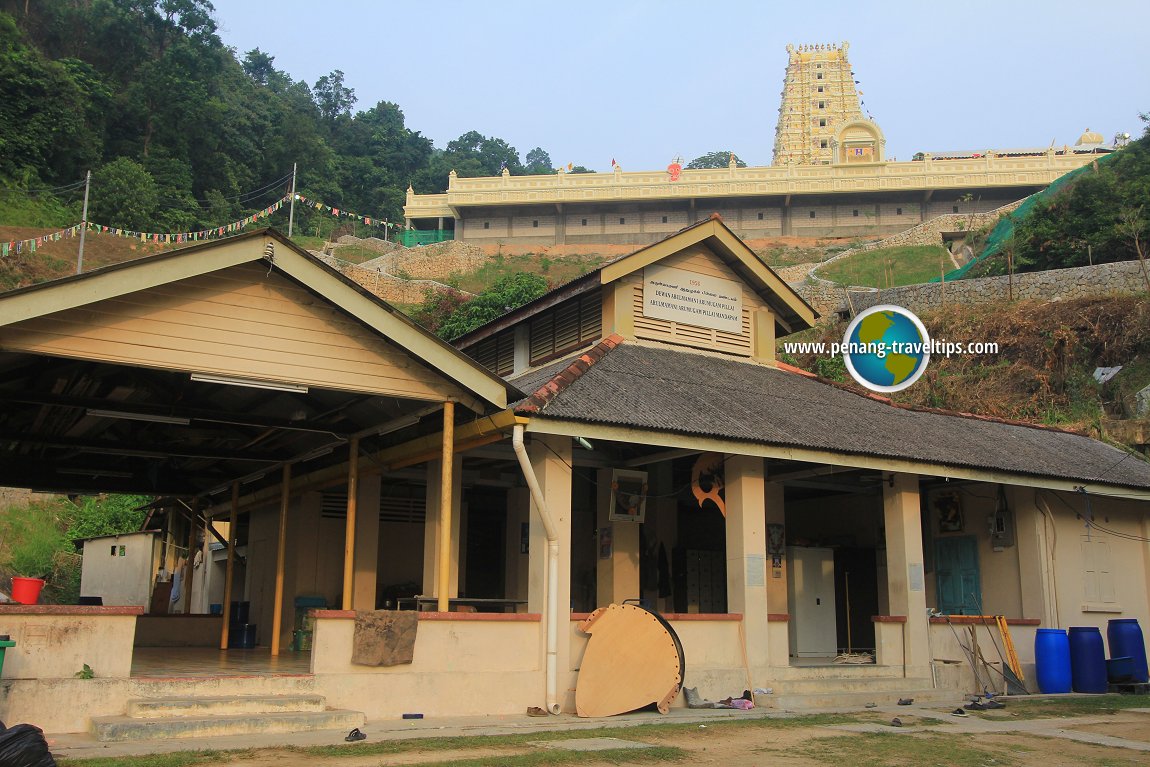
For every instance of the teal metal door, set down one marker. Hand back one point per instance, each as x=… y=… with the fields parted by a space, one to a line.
x=956 y=572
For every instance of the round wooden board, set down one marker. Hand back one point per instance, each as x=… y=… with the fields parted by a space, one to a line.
x=631 y=661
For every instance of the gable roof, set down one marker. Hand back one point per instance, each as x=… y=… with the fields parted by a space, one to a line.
x=663 y=389
x=792 y=311
x=271 y=249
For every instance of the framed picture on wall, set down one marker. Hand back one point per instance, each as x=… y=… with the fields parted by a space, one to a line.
x=948 y=505
x=628 y=495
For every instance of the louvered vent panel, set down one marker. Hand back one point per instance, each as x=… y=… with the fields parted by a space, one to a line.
x=542 y=337
x=484 y=353
x=690 y=335
x=410 y=508
x=591 y=321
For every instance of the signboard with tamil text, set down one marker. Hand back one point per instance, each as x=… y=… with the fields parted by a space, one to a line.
x=693 y=299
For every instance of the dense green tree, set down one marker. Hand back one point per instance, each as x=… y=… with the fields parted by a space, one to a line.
x=538 y=162
x=507 y=293
x=580 y=169
x=107 y=515
x=333 y=98
x=125 y=195
x=720 y=159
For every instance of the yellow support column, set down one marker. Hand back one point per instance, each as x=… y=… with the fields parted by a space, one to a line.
x=281 y=547
x=349 y=530
x=445 y=497
x=229 y=573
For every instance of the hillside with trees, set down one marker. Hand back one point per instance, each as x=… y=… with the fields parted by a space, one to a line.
x=182 y=133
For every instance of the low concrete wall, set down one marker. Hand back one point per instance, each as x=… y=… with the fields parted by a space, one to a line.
x=465 y=664
x=55 y=641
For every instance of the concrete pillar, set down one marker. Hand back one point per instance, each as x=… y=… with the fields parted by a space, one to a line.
x=617 y=576
x=692 y=213
x=560 y=225
x=785 y=216
x=746 y=556
x=431 y=529
x=458 y=228
x=551 y=461
x=439 y=223
x=366 y=577
x=906 y=580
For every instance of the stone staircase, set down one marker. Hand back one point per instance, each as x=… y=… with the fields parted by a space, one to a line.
x=818 y=687
x=206 y=716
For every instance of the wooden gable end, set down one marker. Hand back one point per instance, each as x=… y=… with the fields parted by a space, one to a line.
x=697 y=259
x=240 y=321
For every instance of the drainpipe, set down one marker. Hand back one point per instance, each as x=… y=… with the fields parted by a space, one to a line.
x=552 y=606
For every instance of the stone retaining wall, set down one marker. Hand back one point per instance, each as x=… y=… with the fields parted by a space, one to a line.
x=388 y=287
x=1122 y=278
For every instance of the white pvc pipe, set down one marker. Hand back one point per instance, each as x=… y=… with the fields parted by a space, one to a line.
x=552 y=606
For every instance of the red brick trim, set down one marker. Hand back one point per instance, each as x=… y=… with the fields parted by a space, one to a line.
x=564 y=378
x=778 y=617
x=92 y=610
x=979 y=620
x=888 y=618
x=328 y=614
x=679 y=616
x=482 y=617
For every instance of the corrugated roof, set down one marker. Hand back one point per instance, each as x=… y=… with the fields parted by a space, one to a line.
x=670 y=390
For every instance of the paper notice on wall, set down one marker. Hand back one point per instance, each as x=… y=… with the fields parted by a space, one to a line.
x=694 y=299
x=914 y=577
x=756 y=570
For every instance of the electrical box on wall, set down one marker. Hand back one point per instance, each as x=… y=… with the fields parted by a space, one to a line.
x=1001 y=529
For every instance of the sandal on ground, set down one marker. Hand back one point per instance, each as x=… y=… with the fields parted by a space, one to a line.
x=535 y=711
x=959 y=712
x=355 y=735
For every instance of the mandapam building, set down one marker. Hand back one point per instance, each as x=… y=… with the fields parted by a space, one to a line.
x=602 y=443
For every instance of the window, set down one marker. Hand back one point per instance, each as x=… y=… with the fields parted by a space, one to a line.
x=820 y=89
x=486 y=224
x=822 y=122
x=622 y=221
x=822 y=105
x=855 y=213
x=1098 y=574
x=955 y=209
x=584 y=222
x=823 y=144
x=819 y=76
x=812 y=214
x=535 y=224
x=573 y=323
x=496 y=354
x=898 y=211
x=760 y=215
x=664 y=219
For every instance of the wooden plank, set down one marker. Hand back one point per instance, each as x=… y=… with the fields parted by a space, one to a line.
x=630 y=662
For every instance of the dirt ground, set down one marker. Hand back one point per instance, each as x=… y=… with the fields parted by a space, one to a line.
x=868 y=740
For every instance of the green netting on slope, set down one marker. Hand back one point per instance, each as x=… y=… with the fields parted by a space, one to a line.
x=1004 y=229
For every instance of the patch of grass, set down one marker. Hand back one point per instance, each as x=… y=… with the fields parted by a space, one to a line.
x=1049 y=708
x=510 y=743
x=556 y=270
x=888 y=267
x=885 y=749
x=355 y=254
x=779 y=256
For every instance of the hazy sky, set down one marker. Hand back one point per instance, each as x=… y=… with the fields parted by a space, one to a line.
x=643 y=81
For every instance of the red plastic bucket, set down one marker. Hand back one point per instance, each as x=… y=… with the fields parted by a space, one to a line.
x=26 y=591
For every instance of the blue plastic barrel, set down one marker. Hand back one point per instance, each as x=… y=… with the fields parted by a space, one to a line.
x=1052 y=660
x=1087 y=660
x=1125 y=638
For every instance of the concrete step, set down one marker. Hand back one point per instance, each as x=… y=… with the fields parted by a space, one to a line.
x=850 y=684
x=856 y=699
x=121 y=728
x=834 y=671
x=145 y=708
x=192 y=686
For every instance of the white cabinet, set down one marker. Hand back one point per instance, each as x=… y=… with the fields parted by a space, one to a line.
x=811 y=598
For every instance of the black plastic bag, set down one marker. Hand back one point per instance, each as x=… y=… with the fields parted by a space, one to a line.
x=24 y=746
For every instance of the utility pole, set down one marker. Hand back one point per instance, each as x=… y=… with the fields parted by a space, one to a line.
x=83 y=221
x=291 y=207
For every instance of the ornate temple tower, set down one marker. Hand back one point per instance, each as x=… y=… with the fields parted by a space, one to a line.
x=819 y=102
